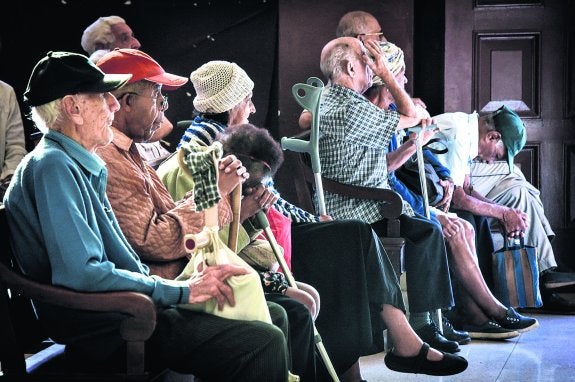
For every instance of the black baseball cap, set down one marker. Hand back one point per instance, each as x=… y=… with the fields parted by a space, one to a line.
x=62 y=73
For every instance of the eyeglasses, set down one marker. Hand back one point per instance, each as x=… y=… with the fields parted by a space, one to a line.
x=379 y=35
x=163 y=100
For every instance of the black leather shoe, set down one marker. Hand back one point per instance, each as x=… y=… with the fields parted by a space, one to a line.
x=452 y=334
x=449 y=365
x=430 y=334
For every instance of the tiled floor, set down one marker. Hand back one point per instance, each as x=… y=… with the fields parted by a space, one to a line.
x=543 y=355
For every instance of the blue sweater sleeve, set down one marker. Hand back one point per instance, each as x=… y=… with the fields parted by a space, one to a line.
x=67 y=234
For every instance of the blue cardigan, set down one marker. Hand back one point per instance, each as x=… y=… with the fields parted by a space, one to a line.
x=63 y=228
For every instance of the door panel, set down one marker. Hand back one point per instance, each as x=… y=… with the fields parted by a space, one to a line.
x=521 y=53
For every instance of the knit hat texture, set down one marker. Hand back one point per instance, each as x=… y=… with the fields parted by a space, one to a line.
x=220 y=85
x=394 y=60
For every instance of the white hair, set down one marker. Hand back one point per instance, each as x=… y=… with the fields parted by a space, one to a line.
x=46 y=115
x=99 y=35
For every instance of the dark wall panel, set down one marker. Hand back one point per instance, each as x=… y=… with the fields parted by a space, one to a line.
x=181 y=35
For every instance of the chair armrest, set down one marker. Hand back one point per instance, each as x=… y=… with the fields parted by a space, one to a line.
x=139 y=308
x=392 y=200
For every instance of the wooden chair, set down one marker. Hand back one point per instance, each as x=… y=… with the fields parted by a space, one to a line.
x=26 y=352
x=391 y=207
x=306 y=144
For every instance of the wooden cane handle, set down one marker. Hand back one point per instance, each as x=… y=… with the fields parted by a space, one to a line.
x=236 y=203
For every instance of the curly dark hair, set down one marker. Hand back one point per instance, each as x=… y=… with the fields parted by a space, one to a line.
x=255 y=147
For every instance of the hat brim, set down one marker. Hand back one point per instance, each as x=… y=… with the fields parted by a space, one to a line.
x=510 y=161
x=108 y=83
x=168 y=81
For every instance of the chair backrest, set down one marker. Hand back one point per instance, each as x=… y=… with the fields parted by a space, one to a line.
x=19 y=325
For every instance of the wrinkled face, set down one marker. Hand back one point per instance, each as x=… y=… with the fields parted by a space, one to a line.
x=240 y=113
x=96 y=112
x=146 y=112
x=124 y=37
x=490 y=147
x=401 y=78
x=372 y=31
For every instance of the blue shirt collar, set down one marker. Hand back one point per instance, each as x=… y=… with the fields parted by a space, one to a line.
x=91 y=162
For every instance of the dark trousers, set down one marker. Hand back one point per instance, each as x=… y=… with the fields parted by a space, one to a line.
x=300 y=335
x=189 y=342
x=345 y=261
x=426 y=266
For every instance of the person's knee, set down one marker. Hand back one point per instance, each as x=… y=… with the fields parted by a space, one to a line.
x=279 y=317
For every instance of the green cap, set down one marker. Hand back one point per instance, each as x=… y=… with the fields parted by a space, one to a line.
x=512 y=131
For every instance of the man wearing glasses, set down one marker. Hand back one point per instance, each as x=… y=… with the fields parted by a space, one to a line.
x=152 y=222
x=361 y=25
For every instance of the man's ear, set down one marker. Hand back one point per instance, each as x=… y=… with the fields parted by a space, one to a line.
x=127 y=99
x=493 y=135
x=72 y=109
x=349 y=68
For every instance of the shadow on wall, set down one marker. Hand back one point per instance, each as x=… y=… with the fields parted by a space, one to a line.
x=181 y=35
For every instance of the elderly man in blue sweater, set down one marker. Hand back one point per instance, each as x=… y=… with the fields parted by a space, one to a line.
x=64 y=232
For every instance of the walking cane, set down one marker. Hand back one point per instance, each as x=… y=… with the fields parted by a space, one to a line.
x=423 y=182
x=265 y=225
x=236 y=203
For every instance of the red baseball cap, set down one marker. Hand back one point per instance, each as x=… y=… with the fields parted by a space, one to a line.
x=142 y=67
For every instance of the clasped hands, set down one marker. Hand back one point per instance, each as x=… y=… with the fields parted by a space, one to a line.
x=515 y=222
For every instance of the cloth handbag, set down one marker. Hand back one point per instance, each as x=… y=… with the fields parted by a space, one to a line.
x=516 y=275
x=409 y=175
x=206 y=248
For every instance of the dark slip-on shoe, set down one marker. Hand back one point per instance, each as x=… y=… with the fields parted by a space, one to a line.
x=419 y=364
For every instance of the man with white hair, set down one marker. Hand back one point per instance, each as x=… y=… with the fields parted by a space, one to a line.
x=111 y=32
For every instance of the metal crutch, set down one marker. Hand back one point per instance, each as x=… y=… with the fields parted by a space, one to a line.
x=308 y=96
x=265 y=225
x=423 y=182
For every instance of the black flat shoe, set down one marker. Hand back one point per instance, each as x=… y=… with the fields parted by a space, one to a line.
x=419 y=364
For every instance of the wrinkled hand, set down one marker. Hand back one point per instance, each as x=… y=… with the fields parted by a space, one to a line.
x=451 y=225
x=255 y=199
x=231 y=174
x=419 y=102
x=377 y=61
x=448 y=188
x=515 y=222
x=210 y=282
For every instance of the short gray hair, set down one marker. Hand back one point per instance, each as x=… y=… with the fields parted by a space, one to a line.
x=100 y=33
x=331 y=64
x=353 y=23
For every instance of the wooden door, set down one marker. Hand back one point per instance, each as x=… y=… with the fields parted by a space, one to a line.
x=521 y=52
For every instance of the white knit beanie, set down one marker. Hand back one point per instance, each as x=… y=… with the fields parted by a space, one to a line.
x=220 y=85
x=393 y=58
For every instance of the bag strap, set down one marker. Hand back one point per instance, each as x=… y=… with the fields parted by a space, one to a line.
x=434 y=150
x=506 y=241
